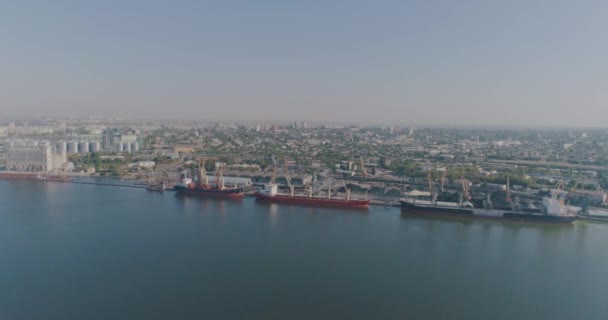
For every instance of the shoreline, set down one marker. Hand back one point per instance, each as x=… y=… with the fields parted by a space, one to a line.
x=375 y=202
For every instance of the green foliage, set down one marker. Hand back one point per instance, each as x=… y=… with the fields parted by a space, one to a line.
x=406 y=168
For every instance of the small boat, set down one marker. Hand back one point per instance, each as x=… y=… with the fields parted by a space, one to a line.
x=53 y=178
x=157 y=187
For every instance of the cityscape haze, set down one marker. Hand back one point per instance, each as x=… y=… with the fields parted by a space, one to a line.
x=513 y=63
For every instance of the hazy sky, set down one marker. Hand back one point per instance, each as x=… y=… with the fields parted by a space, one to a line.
x=519 y=62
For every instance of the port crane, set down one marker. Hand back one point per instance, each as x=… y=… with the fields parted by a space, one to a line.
x=465 y=189
x=220 y=177
x=429 y=177
x=273 y=178
x=580 y=181
x=508 y=199
x=329 y=186
x=443 y=178
x=347 y=190
x=363 y=170
x=312 y=184
x=288 y=179
x=203 y=178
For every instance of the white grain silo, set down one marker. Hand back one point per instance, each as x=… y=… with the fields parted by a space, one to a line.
x=73 y=147
x=83 y=147
x=95 y=146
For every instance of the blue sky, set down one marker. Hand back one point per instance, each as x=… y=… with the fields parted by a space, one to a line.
x=421 y=62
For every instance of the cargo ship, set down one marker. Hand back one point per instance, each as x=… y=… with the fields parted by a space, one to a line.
x=551 y=210
x=204 y=189
x=18 y=175
x=593 y=214
x=270 y=194
x=33 y=176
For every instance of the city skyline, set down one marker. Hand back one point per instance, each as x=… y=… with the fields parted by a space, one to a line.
x=476 y=63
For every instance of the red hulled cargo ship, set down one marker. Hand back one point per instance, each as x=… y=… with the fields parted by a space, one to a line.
x=18 y=175
x=33 y=176
x=204 y=189
x=313 y=201
x=270 y=194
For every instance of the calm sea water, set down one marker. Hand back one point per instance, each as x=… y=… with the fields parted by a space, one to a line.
x=72 y=251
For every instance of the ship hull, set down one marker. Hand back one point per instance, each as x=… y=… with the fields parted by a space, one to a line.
x=588 y=217
x=232 y=194
x=314 y=202
x=423 y=210
x=18 y=176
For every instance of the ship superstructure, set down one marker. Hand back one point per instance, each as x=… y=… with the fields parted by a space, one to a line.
x=270 y=194
x=551 y=209
x=204 y=188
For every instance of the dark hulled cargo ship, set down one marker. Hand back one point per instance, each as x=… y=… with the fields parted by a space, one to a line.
x=593 y=214
x=552 y=211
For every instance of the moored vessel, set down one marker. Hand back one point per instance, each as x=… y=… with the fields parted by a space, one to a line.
x=204 y=189
x=18 y=175
x=593 y=214
x=270 y=194
x=551 y=210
